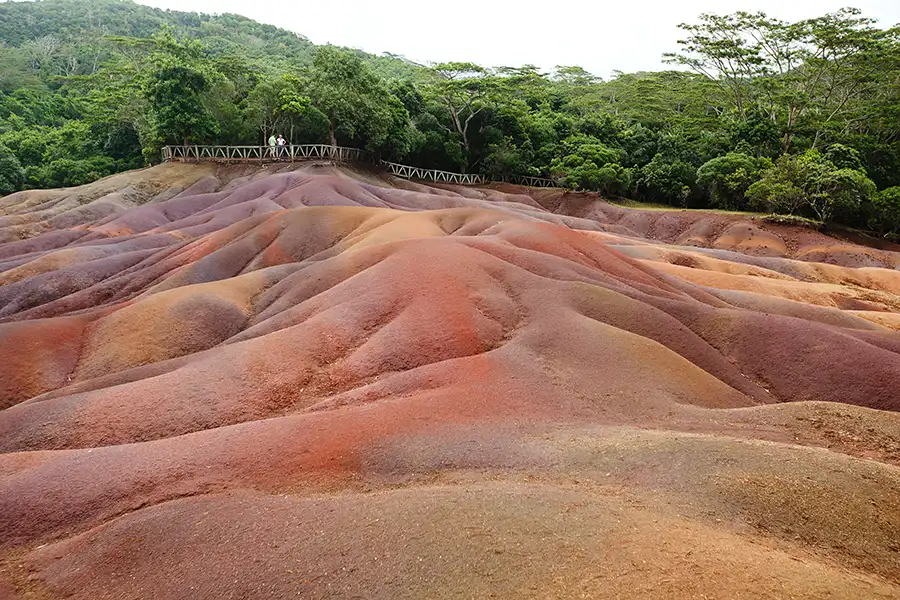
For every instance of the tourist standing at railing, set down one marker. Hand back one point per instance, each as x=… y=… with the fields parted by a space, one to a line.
x=280 y=142
x=272 y=141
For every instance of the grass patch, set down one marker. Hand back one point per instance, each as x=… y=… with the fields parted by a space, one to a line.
x=791 y=220
x=629 y=203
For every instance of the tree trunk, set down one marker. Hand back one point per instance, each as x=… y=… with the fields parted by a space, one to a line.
x=786 y=142
x=333 y=139
x=815 y=140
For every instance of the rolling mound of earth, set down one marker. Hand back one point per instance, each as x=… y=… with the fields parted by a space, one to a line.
x=306 y=381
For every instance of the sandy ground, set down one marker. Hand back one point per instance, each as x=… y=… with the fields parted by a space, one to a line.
x=312 y=382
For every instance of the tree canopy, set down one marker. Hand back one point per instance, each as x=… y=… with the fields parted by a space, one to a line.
x=758 y=114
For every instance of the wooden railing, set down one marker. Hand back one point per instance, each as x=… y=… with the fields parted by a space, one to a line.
x=264 y=154
x=530 y=181
x=407 y=172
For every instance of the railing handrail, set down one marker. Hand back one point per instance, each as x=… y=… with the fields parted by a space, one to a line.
x=264 y=153
x=393 y=164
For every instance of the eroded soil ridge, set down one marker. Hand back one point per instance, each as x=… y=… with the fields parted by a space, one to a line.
x=311 y=382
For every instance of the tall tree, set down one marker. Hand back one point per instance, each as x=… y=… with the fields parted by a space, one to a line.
x=261 y=107
x=12 y=175
x=173 y=90
x=292 y=104
x=463 y=88
x=347 y=92
x=812 y=70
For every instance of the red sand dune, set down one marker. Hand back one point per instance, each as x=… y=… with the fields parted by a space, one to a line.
x=310 y=382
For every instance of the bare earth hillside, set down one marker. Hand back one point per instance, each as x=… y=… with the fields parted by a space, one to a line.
x=311 y=382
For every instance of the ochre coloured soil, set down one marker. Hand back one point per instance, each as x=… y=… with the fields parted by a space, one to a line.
x=305 y=381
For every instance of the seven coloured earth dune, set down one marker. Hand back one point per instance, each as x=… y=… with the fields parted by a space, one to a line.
x=306 y=381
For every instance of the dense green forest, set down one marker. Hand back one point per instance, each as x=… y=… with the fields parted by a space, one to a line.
x=759 y=114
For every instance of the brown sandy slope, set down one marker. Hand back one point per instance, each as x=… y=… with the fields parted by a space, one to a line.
x=306 y=382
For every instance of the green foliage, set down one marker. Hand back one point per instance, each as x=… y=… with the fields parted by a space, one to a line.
x=664 y=180
x=813 y=183
x=614 y=179
x=358 y=105
x=12 y=175
x=464 y=90
x=776 y=193
x=277 y=104
x=726 y=178
x=290 y=101
x=312 y=128
x=805 y=76
x=90 y=87
x=756 y=133
x=64 y=172
x=173 y=89
x=29 y=145
x=841 y=192
x=886 y=214
x=844 y=157
x=80 y=26
x=506 y=158
x=261 y=107
x=668 y=100
x=574 y=75
x=591 y=165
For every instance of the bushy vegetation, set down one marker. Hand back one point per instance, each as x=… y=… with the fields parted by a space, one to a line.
x=811 y=182
x=795 y=118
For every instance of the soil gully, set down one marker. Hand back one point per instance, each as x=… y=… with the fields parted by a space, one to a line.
x=317 y=382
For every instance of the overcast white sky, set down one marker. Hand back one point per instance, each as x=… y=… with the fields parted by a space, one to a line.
x=601 y=36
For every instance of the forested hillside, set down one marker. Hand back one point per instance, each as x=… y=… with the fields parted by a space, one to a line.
x=796 y=118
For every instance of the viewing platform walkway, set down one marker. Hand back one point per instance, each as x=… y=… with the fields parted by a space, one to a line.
x=295 y=153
